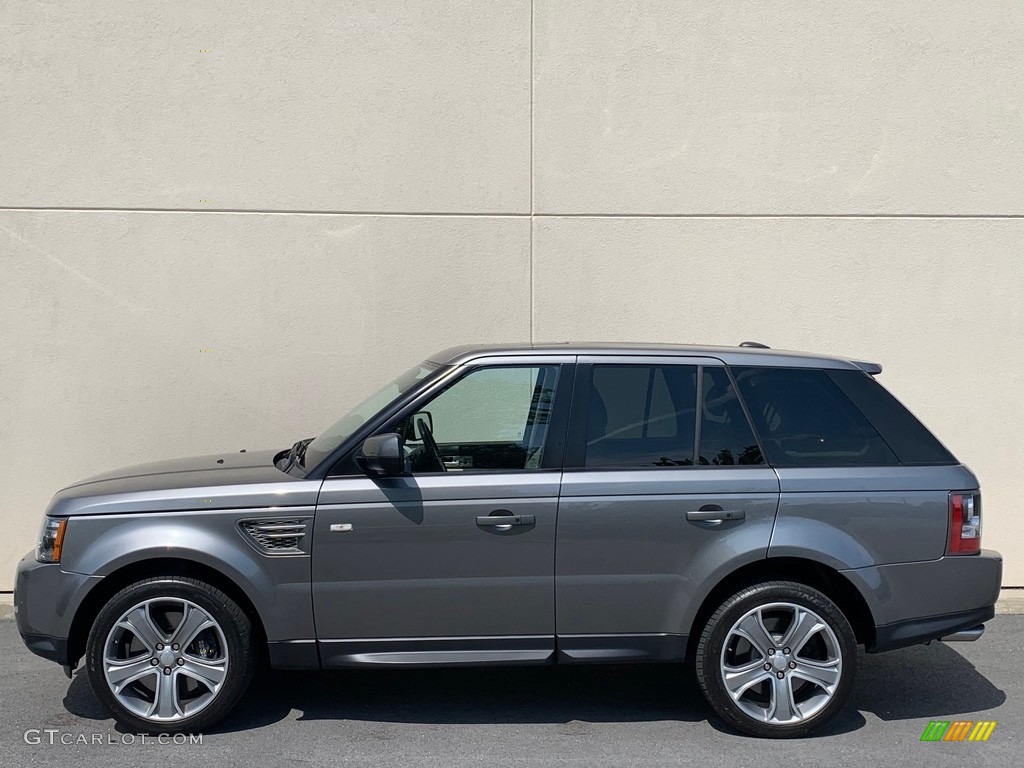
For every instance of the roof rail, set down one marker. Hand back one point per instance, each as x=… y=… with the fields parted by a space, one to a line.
x=754 y=344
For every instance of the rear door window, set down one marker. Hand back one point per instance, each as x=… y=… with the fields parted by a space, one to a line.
x=642 y=416
x=805 y=420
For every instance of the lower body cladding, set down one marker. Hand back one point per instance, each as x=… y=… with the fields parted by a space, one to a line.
x=510 y=651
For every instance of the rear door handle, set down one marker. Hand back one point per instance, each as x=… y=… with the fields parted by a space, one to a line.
x=714 y=514
x=505 y=521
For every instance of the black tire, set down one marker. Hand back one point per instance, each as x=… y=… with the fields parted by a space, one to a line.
x=238 y=654
x=820 y=648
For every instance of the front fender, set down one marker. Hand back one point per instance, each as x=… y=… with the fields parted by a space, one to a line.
x=278 y=586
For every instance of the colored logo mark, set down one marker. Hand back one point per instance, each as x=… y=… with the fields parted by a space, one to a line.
x=958 y=730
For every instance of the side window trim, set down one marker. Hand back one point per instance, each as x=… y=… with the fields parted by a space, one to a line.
x=746 y=414
x=699 y=418
x=576 y=433
x=558 y=427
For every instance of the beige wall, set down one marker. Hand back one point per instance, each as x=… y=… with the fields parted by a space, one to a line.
x=319 y=194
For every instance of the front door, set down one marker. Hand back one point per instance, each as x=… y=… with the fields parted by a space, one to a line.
x=455 y=561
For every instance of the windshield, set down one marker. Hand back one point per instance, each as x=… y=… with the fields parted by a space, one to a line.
x=338 y=432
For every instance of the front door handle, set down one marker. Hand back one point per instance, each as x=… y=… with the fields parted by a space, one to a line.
x=503 y=520
x=712 y=513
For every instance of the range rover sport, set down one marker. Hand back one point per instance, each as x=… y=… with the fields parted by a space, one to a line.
x=756 y=513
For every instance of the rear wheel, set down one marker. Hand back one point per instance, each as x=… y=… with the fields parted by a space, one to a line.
x=169 y=655
x=777 y=660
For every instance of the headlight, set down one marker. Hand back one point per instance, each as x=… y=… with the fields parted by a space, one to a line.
x=51 y=538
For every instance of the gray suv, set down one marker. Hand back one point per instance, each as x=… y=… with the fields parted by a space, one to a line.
x=756 y=513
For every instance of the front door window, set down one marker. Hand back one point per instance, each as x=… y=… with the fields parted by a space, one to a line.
x=491 y=419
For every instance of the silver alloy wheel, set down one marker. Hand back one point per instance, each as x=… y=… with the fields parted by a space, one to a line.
x=781 y=663
x=165 y=659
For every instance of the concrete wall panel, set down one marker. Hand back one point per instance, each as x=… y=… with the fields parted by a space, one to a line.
x=682 y=106
x=328 y=106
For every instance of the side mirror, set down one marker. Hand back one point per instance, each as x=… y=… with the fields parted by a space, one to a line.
x=382 y=455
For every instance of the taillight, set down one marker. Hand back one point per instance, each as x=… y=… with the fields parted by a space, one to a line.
x=964 y=523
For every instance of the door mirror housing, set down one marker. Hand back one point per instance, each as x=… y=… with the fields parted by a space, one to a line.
x=382 y=455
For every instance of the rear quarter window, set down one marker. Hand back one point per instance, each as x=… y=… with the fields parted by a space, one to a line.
x=908 y=438
x=805 y=419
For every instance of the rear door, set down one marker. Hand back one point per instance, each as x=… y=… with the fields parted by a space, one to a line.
x=665 y=491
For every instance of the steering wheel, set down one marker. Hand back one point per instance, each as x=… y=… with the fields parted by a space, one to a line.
x=430 y=444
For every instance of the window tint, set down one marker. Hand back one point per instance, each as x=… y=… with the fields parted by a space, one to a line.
x=805 y=420
x=726 y=438
x=642 y=416
x=909 y=438
x=491 y=419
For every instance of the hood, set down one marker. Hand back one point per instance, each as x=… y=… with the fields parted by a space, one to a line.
x=218 y=481
x=214 y=462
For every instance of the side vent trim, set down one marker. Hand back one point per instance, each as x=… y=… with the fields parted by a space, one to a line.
x=277 y=537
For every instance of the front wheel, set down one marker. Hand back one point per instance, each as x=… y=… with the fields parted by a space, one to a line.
x=777 y=660
x=170 y=655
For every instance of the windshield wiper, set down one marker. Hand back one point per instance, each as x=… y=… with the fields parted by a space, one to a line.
x=297 y=453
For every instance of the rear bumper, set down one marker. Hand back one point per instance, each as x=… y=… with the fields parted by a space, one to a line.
x=965 y=635
x=915 y=631
x=917 y=602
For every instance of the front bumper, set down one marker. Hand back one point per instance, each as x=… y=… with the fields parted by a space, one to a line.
x=45 y=602
x=52 y=648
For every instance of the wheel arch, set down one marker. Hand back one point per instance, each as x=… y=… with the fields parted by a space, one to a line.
x=117 y=580
x=814 y=574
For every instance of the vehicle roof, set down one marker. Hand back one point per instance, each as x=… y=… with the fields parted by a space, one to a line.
x=739 y=355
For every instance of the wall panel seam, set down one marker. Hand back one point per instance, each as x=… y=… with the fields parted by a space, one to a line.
x=533 y=208
x=502 y=215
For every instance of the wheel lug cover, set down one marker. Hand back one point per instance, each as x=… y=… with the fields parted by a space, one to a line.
x=792 y=665
x=781 y=675
x=766 y=666
x=167 y=671
x=175 y=647
x=153 y=662
x=182 y=661
x=771 y=651
x=785 y=651
x=159 y=646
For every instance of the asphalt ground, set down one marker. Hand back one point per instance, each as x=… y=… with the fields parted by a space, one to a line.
x=567 y=716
